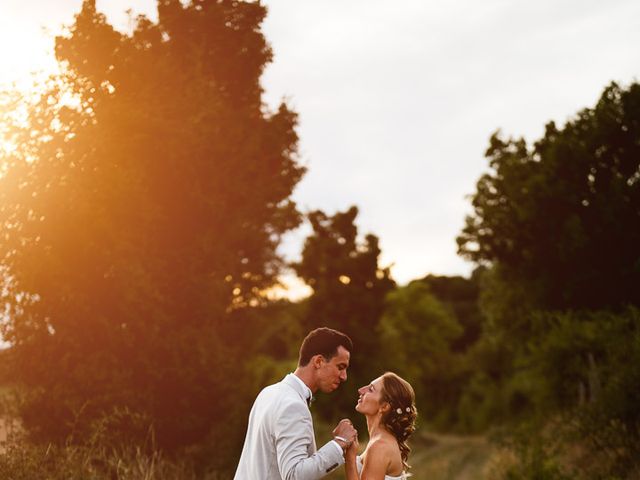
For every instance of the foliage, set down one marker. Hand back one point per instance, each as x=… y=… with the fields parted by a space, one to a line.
x=349 y=289
x=489 y=397
x=562 y=219
x=499 y=387
x=537 y=455
x=417 y=333
x=557 y=227
x=461 y=296
x=592 y=360
x=272 y=349
x=142 y=205
x=348 y=284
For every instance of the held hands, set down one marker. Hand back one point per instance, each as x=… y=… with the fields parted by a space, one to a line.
x=352 y=451
x=346 y=435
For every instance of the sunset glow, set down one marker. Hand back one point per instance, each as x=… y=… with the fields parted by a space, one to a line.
x=531 y=63
x=31 y=50
x=28 y=29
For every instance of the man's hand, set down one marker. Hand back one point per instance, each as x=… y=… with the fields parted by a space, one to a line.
x=345 y=434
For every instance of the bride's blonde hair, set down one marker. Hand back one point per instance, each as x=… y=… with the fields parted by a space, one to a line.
x=400 y=419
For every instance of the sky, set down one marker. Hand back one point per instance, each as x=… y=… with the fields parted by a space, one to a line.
x=397 y=100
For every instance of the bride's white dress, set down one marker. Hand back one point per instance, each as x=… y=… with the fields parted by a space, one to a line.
x=386 y=477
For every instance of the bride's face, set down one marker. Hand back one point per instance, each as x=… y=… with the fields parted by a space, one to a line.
x=370 y=398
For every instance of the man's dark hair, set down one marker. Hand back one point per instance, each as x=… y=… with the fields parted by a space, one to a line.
x=323 y=341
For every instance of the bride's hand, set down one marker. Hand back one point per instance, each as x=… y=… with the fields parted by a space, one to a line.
x=352 y=451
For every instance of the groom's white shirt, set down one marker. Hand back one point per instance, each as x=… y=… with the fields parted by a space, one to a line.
x=280 y=443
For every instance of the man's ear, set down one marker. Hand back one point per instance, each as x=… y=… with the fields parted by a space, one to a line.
x=317 y=360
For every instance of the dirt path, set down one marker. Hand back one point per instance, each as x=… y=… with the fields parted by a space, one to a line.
x=451 y=457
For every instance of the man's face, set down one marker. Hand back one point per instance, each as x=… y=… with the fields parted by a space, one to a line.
x=332 y=373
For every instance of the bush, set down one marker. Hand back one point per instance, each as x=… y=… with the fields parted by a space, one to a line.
x=590 y=363
x=537 y=453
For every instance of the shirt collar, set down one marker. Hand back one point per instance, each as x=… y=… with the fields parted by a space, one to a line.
x=307 y=390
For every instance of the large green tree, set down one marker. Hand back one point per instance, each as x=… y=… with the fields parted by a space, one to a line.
x=562 y=219
x=142 y=206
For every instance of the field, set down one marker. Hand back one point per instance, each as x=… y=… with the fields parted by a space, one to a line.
x=433 y=457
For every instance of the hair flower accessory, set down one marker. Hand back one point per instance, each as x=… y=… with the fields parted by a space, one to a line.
x=408 y=409
x=399 y=411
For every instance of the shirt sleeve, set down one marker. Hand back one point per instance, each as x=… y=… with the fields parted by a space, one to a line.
x=294 y=439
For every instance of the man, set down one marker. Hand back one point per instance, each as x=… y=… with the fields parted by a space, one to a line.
x=280 y=443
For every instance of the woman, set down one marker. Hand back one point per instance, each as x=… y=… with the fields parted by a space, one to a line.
x=388 y=404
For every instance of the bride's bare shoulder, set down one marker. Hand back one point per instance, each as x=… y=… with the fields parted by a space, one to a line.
x=385 y=453
x=382 y=447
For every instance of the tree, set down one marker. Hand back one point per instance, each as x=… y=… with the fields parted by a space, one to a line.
x=461 y=296
x=143 y=203
x=417 y=333
x=558 y=226
x=349 y=288
x=562 y=219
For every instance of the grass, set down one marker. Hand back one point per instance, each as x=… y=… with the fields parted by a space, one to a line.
x=7 y=419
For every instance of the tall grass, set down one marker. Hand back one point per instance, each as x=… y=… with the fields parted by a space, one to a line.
x=21 y=459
